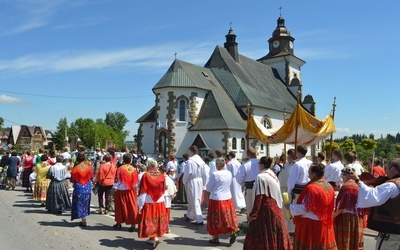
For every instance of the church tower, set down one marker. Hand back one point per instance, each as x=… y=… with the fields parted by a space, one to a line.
x=281 y=57
x=231 y=45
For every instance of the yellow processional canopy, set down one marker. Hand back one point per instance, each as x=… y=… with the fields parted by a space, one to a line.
x=309 y=129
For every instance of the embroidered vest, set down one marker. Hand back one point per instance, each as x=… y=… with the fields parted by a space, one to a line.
x=386 y=218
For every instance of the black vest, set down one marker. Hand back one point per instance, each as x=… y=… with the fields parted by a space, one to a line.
x=386 y=218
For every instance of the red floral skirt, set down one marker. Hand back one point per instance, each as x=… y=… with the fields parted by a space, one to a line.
x=221 y=218
x=126 y=208
x=349 y=231
x=153 y=220
x=313 y=235
x=268 y=231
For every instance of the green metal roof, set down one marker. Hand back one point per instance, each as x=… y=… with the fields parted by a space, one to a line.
x=250 y=81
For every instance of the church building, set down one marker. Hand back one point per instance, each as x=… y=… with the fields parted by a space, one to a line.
x=207 y=106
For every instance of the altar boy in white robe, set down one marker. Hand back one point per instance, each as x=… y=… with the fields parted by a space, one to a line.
x=194 y=177
x=236 y=189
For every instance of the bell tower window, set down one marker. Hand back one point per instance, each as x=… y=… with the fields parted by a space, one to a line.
x=182 y=110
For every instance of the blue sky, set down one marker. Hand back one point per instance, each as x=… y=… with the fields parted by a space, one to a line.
x=84 y=58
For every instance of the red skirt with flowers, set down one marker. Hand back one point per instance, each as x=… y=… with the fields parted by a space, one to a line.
x=313 y=235
x=221 y=218
x=268 y=231
x=126 y=208
x=349 y=231
x=153 y=220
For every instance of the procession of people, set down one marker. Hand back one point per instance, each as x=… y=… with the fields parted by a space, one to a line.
x=327 y=207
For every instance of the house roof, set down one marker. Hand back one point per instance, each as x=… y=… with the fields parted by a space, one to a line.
x=218 y=111
x=184 y=75
x=150 y=116
x=250 y=81
x=280 y=54
x=15 y=132
x=201 y=143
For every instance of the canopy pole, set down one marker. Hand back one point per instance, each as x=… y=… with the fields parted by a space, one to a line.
x=248 y=120
x=297 y=120
x=331 y=139
x=284 y=122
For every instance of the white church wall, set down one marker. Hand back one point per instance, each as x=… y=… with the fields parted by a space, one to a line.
x=148 y=137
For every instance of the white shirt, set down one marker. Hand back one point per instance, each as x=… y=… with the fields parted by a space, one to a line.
x=212 y=166
x=66 y=156
x=172 y=165
x=219 y=185
x=181 y=169
x=299 y=209
x=233 y=166
x=298 y=174
x=359 y=168
x=376 y=196
x=206 y=176
x=248 y=171
x=284 y=175
x=333 y=171
x=195 y=168
x=277 y=168
x=169 y=192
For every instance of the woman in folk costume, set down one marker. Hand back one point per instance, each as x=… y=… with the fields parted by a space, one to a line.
x=125 y=188
x=153 y=219
x=41 y=183
x=57 y=198
x=28 y=169
x=221 y=217
x=268 y=228
x=348 y=220
x=313 y=213
x=81 y=175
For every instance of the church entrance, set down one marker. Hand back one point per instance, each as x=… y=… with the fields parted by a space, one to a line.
x=162 y=144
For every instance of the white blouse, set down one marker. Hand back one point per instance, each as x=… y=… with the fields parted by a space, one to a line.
x=219 y=185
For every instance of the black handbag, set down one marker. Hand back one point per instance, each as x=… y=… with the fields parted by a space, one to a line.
x=96 y=187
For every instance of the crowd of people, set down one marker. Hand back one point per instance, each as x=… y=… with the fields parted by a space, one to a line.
x=290 y=202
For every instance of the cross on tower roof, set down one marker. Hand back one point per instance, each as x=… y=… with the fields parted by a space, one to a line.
x=280 y=10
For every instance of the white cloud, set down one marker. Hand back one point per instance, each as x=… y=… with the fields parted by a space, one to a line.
x=26 y=15
x=29 y=14
x=157 y=56
x=8 y=99
x=342 y=132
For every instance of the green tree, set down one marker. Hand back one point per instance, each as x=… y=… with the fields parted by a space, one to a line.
x=59 y=135
x=397 y=148
x=85 y=129
x=368 y=144
x=348 y=145
x=384 y=148
x=1 y=123
x=327 y=148
x=116 y=120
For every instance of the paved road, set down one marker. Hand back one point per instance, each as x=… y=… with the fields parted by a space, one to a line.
x=26 y=225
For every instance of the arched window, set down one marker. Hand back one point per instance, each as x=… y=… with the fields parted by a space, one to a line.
x=234 y=143
x=182 y=110
x=262 y=147
x=242 y=144
x=266 y=122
